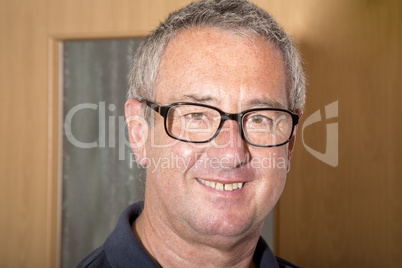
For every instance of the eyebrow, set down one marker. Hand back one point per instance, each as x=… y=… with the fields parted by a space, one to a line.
x=266 y=103
x=200 y=98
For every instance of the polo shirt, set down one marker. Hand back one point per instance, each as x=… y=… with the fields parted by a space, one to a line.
x=122 y=249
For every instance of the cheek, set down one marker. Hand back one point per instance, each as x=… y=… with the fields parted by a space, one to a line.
x=166 y=176
x=169 y=157
x=272 y=193
x=184 y=157
x=270 y=161
x=271 y=170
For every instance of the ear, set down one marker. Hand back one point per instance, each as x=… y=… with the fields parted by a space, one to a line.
x=137 y=129
x=292 y=141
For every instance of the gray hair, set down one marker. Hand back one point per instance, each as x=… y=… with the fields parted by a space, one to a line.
x=238 y=16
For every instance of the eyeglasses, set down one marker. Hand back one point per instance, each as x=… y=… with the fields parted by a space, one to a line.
x=199 y=123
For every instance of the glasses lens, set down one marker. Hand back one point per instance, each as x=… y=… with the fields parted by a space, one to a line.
x=267 y=128
x=192 y=123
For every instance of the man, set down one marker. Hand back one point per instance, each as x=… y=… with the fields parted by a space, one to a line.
x=217 y=90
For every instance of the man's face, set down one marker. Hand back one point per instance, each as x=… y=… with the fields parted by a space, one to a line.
x=234 y=74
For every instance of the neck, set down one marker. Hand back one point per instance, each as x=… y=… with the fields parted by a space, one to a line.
x=172 y=248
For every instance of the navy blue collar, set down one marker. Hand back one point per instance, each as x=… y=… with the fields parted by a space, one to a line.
x=122 y=248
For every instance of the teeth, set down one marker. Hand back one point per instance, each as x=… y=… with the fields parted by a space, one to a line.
x=221 y=186
x=228 y=187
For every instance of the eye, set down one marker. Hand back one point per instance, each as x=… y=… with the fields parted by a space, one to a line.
x=197 y=116
x=258 y=119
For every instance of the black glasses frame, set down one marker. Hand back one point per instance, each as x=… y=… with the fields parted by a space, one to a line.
x=163 y=111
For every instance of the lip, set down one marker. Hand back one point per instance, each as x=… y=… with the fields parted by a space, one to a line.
x=219 y=180
x=231 y=187
x=244 y=174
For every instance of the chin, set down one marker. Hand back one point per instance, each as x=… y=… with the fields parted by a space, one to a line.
x=228 y=225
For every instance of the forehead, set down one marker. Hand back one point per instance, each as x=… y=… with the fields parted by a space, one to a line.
x=221 y=67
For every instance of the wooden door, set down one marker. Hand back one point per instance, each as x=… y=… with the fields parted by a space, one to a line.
x=29 y=112
x=347 y=216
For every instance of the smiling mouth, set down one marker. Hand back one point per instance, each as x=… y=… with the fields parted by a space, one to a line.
x=222 y=187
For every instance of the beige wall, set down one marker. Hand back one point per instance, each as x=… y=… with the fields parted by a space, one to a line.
x=351 y=215
x=348 y=216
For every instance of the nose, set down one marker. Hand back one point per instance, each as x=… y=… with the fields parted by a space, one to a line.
x=229 y=147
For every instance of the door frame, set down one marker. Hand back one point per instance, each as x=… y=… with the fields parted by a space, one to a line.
x=54 y=181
